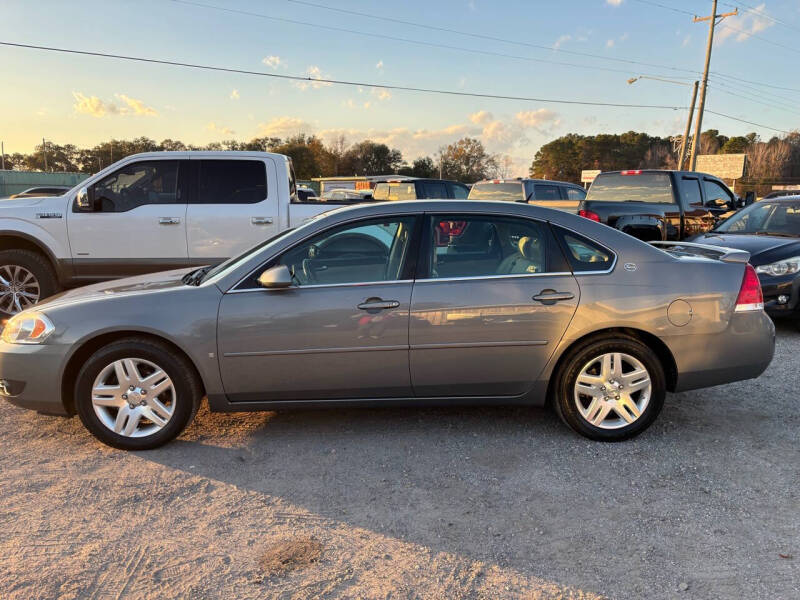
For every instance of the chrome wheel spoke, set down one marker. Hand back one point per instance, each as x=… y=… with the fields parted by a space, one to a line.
x=133 y=422
x=627 y=409
x=154 y=417
x=122 y=418
x=158 y=408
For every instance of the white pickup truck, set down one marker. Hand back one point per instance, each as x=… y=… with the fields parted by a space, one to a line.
x=147 y=212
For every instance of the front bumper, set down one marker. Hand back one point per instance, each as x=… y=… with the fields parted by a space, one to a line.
x=742 y=351
x=30 y=376
x=773 y=287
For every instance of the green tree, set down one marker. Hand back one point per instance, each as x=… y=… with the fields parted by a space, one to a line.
x=467 y=160
x=371 y=158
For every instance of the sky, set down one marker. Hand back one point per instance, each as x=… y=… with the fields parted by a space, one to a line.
x=571 y=50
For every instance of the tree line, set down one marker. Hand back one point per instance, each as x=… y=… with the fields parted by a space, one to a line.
x=776 y=160
x=465 y=160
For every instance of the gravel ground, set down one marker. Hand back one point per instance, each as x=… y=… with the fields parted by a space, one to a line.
x=428 y=503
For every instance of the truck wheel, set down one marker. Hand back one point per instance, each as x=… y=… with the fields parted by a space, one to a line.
x=611 y=389
x=25 y=278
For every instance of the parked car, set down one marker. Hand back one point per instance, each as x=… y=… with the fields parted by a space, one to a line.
x=145 y=213
x=306 y=194
x=414 y=188
x=770 y=231
x=540 y=192
x=38 y=192
x=399 y=303
x=346 y=196
x=658 y=205
x=781 y=194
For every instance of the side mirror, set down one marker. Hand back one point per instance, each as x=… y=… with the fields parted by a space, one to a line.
x=278 y=277
x=749 y=198
x=83 y=201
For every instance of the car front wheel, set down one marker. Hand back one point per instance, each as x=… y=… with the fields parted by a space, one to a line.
x=610 y=389
x=136 y=394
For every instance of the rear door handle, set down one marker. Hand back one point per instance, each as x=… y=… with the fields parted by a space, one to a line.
x=261 y=220
x=169 y=221
x=552 y=296
x=378 y=304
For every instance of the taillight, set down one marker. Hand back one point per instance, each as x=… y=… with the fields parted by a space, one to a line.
x=588 y=214
x=750 y=295
x=630 y=172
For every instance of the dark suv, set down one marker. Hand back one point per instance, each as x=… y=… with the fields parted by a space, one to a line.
x=412 y=188
x=552 y=194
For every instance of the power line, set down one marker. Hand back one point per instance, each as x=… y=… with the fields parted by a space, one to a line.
x=757 y=101
x=475 y=35
x=664 y=6
x=384 y=37
x=719 y=114
x=755 y=11
x=779 y=101
x=761 y=38
x=308 y=79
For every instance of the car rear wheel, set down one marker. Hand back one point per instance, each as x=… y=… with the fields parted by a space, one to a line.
x=25 y=278
x=136 y=394
x=610 y=389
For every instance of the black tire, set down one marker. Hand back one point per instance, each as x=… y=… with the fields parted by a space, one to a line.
x=564 y=400
x=38 y=265
x=188 y=391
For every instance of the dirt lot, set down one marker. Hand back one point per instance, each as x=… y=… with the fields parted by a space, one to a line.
x=429 y=503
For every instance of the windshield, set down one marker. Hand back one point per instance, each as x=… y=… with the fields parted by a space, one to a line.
x=635 y=187
x=234 y=262
x=781 y=218
x=488 y=190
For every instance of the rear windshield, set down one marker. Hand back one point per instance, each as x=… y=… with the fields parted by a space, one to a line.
x=645 y=187
x=395 y=191
x=497 y=191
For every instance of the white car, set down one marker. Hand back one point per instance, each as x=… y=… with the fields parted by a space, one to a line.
x=147 y=212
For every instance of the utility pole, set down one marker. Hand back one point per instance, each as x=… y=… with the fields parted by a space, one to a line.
x=688 y=131
x=2 y=156
x=44 y=151
x=712 y=22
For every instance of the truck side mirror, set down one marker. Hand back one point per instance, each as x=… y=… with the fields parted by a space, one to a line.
x=749 y=198
x=83 y=201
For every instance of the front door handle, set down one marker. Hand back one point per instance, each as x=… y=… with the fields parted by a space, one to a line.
x=378 y=304
x=261 y=220
x=551 y=296
x=169 y=221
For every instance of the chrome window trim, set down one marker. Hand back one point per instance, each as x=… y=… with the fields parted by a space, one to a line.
x=321 y=285
x=511 y=276
x=601 y=244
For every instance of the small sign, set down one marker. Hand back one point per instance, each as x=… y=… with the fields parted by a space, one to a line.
x=588 y=176
x=724 y=166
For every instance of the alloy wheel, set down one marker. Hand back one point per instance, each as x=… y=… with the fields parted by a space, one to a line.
x=612 y=390
x=19 y=289
x=133 y=397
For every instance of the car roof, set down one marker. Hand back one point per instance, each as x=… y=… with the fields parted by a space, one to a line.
x=524 y=179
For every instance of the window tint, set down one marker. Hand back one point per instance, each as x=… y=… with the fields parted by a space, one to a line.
x=584 y=254
x=488 y=190
x=137 y=184
x=460 y=192
x=690 y=191
x=381 y=192
x=716 y=195
x=764 y=217
x=485 y=246
x=232 y=182
x=547 y=192
x=434 y=191
x=402 y=191
x=641 y=187
x=372 y=250
x=575 y=193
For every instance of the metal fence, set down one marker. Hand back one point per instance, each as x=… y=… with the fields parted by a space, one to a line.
x=14 y=182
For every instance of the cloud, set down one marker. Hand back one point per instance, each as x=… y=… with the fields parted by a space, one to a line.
x=538 y=119
x=481 y=117
x=561 y=41
x=235 y=94
x=224 y=130
x=381 y=94
x=98 y=108
x=273 y=62
x=379 y=65
x=610 y=44
x=314 y=72
x=747 y=25
x=614 y=2
x=284 y=126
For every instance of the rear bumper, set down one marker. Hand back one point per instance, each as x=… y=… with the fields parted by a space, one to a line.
x=30 y=376
x=743 y=351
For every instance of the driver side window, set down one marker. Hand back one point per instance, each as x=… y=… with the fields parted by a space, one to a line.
x=716 y=195
x=364 y=252
x=137 y=184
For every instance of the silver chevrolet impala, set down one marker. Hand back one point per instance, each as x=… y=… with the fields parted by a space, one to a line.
x=430 y=302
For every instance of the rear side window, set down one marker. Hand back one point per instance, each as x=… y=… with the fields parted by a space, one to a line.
x=575 y=193
x=434 y=191
x=460 y=192
x=582 y=253
x=635 y=187
x=546 y=192
x=690 y=192
x=232 y=182
x=488 y=190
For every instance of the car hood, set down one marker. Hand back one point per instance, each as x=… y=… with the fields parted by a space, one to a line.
x=141 y=284
x=27 y=202
x=763 y=249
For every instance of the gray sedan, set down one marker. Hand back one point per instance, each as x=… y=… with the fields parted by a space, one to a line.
x=430 y=302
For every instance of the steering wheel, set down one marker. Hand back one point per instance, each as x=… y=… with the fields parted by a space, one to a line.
x=313 y=252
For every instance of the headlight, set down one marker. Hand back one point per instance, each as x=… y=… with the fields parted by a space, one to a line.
x=28 y=327
x=782 y=267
